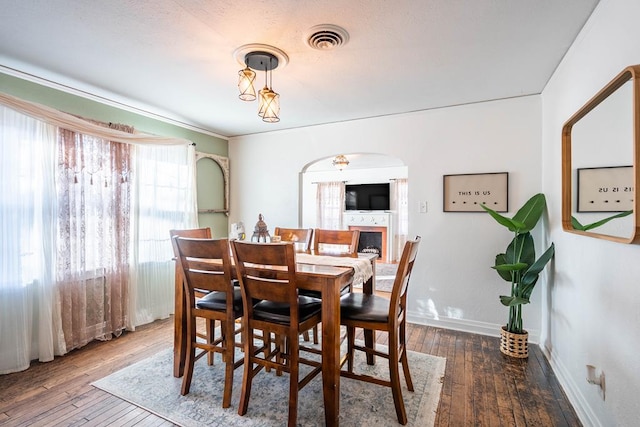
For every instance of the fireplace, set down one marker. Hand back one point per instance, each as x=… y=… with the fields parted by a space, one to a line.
x=375 y=232
x=372 y=240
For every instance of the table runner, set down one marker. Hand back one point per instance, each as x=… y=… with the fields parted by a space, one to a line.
x=362 y=268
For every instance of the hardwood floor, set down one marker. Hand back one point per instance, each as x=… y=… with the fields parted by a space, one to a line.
x=480 y=387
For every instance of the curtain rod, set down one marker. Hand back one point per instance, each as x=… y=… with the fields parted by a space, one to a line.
x=322 y=182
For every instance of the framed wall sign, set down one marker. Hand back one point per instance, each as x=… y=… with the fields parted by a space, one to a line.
x=605 y=189
x=465 y=193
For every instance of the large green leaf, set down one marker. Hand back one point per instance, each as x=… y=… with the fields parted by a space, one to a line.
x=511 y=224
x=501 y=260
x=577 y=226
x=525 y=291
x=511 y=267
x=530 y=212
x=521 y=249
x=510 y=301
x=531 y=275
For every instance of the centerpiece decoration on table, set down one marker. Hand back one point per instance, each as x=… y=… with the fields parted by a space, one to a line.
x=260 y=231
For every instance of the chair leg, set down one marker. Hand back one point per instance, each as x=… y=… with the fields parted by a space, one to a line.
x=351 y=339
x=394 y=374
x=229 y=359
x=293 y=352
x=266 y=341
x=315 y=335
x=211 y=328
x=247 y=376
x=403 y=357
x=305 y=336
x=190 y=356
x=280 y=346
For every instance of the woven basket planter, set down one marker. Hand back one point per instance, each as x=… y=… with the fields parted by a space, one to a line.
x=514 y=345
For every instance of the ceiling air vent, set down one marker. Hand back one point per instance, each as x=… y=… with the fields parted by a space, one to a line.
x=327 y=36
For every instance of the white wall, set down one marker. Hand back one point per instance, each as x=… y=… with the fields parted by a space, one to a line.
x=592 y=310
x=452 y=283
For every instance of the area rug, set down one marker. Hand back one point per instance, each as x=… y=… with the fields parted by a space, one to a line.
x=150 y=385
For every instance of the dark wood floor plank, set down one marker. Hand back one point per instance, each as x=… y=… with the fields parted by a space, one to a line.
x=483 y=351
x=481 y=387
x=129 y=418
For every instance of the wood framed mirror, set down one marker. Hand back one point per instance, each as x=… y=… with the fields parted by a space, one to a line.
x=600 y=160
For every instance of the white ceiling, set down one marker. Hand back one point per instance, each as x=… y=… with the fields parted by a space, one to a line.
x=175 y=57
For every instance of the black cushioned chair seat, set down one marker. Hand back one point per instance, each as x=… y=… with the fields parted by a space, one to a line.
x=363 y=307
x=279 y=312
x=217 y=301
x=318 y=294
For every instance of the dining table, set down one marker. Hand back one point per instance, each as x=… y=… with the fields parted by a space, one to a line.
x=314 y=273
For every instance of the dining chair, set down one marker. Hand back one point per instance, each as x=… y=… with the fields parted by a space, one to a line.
x=301 y=237
x=206 y=264
x=373 y=312
x=336 y=242
x=198 y=233
x=267 y=274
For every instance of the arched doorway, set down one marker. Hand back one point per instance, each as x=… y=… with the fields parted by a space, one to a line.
x=363 y=168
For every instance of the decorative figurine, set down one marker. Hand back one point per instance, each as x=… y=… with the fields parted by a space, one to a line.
x=237 y=231
x=260 y=231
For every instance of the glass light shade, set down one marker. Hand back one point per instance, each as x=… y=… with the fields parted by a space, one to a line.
x=245 y=84
x=340 y=162
x=269 y=108
x=261 y=100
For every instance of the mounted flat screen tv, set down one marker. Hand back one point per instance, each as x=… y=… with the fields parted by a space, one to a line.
x=367 y=197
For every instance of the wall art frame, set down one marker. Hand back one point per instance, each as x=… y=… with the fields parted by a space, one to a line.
x=466 y=192
x=605 y=189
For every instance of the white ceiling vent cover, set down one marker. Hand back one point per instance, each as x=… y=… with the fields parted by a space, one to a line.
x=326 y=36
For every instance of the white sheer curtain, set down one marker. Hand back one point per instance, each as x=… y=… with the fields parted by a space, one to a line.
x=45 y=280
x=329 y=205
x=400 y=208
x=27 y=254
x=165 y=199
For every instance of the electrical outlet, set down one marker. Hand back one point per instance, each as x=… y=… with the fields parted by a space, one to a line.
x=423 y=207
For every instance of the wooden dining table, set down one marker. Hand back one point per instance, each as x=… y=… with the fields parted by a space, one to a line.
x=329 y=281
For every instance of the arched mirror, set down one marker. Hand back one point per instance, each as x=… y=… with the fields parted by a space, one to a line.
x=600 y=158
x=204 y=174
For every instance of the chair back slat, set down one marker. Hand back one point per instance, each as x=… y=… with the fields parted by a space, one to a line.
x=336 y=242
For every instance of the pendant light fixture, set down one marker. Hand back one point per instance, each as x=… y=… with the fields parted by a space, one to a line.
x=260 y=58
x=269 y=102
x=245 y=84
x=340 y=162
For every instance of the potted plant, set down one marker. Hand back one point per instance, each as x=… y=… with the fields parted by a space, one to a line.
x=518 y=266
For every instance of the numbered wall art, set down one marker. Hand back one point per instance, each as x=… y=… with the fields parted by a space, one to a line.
x=606 y=189
x=465 y=193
